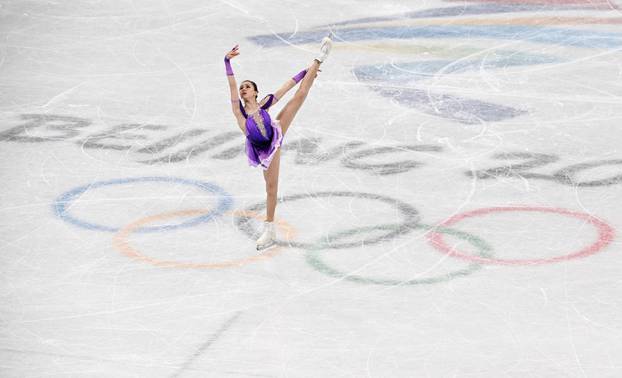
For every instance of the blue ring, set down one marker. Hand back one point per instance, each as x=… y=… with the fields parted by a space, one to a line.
x=61 y=203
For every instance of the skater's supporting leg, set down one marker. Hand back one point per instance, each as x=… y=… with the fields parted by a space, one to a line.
x=271 y=176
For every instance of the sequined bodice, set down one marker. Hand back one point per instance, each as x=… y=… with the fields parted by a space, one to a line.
x=259 y=124
x=257 y=119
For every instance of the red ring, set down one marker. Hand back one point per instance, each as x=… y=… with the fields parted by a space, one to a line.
x=606 y=235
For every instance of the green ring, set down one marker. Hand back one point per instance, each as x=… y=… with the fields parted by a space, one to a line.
x=312 y=257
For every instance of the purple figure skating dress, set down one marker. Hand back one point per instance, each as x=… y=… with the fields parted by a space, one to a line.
x=263 y=135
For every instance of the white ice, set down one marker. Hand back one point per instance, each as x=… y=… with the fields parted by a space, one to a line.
x=115 y=116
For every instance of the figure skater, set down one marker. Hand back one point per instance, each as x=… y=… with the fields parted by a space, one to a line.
x=264 y=135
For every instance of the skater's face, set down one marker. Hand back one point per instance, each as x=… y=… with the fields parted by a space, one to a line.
x=248 y=90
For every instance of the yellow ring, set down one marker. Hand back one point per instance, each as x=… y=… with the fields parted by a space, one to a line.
x=121 y=243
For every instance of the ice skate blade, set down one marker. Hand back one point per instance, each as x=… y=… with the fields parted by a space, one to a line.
x=263 y=248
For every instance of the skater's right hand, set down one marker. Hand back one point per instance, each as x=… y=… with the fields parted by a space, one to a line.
x=234 y=52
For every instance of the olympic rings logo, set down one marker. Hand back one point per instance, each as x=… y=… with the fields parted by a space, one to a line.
x=315 y=251
x=120 y=240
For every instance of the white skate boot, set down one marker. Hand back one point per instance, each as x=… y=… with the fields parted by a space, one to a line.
x=325 y=47
x=267 y=238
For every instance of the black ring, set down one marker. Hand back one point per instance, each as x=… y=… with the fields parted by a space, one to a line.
x=410 y=214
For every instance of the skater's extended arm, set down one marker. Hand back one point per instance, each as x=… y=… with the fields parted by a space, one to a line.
x=233 y=88
x=289 y=84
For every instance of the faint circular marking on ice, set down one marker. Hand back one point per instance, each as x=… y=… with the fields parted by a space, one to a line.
x=313 y=258
x=605 y=235
x=409 y=213
x=121 y=243
x=63 y=203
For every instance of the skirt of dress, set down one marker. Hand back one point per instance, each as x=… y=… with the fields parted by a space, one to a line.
x=263 y=156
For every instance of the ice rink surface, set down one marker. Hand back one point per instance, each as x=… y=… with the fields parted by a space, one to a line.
x=450 y=193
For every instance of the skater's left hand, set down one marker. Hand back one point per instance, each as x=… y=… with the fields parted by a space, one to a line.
x=234 y=52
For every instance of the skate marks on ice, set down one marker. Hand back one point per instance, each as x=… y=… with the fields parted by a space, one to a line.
x=554 y=36
x=409 y=214
x=140 y=140
x=355 y=155
x=605 y=235
x=400 y=81
x=122 y=244
x=62 y=207
x=150 y=143
x=314 y=257
x=491 y=7
x=566 y=175
x=355 y=240
x=63 y=203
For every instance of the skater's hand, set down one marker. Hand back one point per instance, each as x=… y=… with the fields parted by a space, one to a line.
x=234 y=52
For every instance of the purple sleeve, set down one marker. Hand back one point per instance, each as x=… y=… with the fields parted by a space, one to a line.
x=242 y=109
x=228 y=67
x=299 y=76
x=268 y=103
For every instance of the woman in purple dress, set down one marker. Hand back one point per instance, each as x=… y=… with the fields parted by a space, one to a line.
x=264 y=135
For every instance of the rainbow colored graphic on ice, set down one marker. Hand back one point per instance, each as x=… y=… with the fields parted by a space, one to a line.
x=525 y=22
